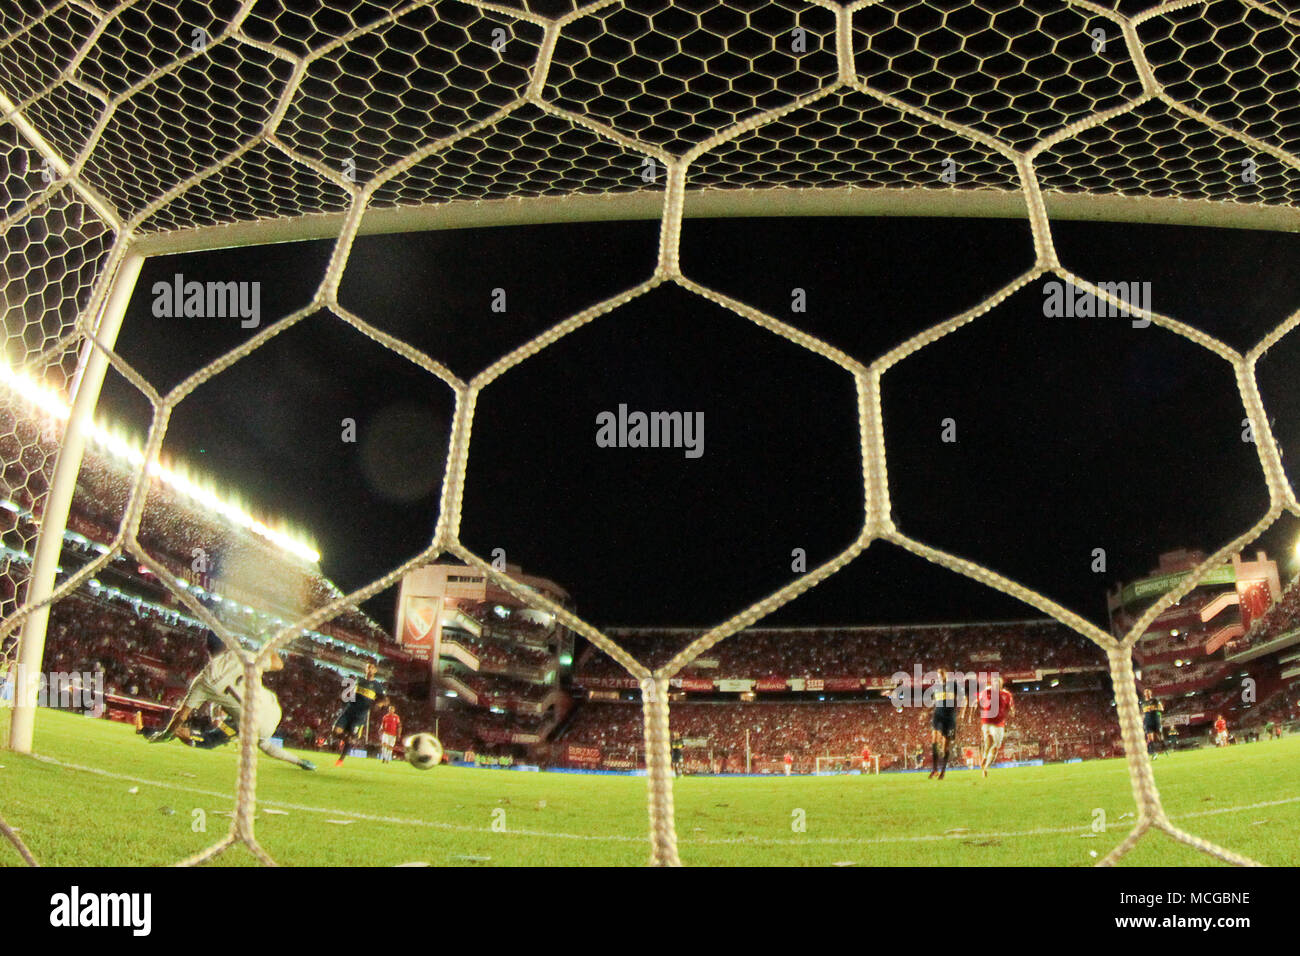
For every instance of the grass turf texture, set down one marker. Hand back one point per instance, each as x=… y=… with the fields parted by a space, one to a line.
x=79 y=811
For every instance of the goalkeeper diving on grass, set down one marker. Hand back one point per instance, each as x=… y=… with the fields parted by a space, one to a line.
x=221 y=682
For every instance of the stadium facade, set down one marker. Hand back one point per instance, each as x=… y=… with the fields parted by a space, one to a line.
x=1202 y=657
x=495 y=676
x=499 y=667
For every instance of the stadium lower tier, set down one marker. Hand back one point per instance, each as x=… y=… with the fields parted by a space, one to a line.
x=718 y=737
x=144 y=659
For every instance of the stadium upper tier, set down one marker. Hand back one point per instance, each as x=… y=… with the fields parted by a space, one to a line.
x=856 y=651
x=243 y=567
x=1277 y=629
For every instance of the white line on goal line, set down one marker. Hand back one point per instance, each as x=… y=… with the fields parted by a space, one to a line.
x=615 y=838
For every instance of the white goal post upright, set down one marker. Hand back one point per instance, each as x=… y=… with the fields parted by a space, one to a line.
x=92 y=365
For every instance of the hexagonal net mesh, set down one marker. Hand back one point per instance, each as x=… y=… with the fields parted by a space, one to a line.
x=137 y=128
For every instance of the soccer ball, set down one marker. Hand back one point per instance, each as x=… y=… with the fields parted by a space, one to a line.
x=423 y=751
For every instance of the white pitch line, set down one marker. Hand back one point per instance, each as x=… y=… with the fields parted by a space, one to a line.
x=614 y=838
x=1250 y=806
x=932 y=838
x=375 y=818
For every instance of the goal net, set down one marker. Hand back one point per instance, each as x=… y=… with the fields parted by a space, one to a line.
x=138 y=129
x=829 y=766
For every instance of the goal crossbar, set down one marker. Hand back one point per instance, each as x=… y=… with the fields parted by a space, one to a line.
x=718 y=203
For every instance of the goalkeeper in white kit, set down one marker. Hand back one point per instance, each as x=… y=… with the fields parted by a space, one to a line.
x=222 y=683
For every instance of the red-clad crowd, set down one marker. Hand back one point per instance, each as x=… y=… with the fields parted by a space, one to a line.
x=503 y=691
x=1282 y=617
x=145 y=658
x=494 y=656
x=851 y=652
x=174 y=530
x=1056 y=725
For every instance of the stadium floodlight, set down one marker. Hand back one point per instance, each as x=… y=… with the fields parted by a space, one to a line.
x=110 y=440
x=137 y=141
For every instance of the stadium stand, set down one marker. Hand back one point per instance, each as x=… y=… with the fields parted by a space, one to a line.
x=1048 y=725
x=127 y=628
x=1282 y=619
x=173 y=528
x=847 y=652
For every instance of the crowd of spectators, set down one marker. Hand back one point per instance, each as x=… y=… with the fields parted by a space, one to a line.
x=1166 y=680
x=1280 y=709
x=1167 y=648
x=1282 y=617
x=144 y=659
x=310 y=698
x=141 y=656
x=1056 y=725
x=172 y=530
x=500 y=691
x=1184 y=615
x=517 y=663
x=148 y=657
x=493 y=655
x=512 y=621
x=483 y=732
x=857 y=652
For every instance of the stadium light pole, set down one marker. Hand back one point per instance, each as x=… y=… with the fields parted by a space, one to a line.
x=92 y=365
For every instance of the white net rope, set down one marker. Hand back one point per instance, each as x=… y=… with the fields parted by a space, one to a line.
x=125 y=123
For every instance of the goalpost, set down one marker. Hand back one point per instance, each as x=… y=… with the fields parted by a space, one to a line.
x=101 y=176
x=832 y=765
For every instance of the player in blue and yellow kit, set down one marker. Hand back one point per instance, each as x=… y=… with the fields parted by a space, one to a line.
x=946 y=696
x=1152 y=709
x=367 y=693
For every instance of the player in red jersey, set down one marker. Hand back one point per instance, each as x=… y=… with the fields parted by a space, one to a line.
x=789 y=763
x=1220 y=731
x=866 y=758
x=996 y=705
x=390 y=728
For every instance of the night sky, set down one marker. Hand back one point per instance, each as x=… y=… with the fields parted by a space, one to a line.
x=1072 y=434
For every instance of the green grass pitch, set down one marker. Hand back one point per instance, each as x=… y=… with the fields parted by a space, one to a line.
x=99 y=795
